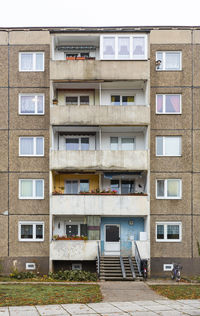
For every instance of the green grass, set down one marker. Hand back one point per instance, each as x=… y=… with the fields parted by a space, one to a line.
x=177 y=292
x=19 y=294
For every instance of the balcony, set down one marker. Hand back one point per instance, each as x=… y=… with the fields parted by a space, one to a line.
x=100 y=204
x=99 y=70
x=99 y=160
x=73 y=250
x=100 y=115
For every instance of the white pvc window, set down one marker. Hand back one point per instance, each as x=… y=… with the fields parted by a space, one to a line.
x=77 y=100
x=31 y=231
x=31 y=61
x=31 y=146
x=168 y=231
x=169 y=60
x=122 y=100
x=77 y=143
x=31 y=104
x=31 y=189
x=76 y=186
x=124 y=47
x=168 y=103
x=169 y=189
x=168 y=146
x=122 y=143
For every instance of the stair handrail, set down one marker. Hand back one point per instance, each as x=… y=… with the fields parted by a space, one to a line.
x=98 y=258
x=132 y=267
x=122 y=267
x=138 y=258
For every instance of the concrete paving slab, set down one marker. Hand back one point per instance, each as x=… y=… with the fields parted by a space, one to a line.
x=4 y=311
x=146 y=303
x=104 y=308
x=22 y=308
x=143 y=314
x=77 y=309
x=24 y=313
x=193 y=312
x=51 y=310
x=115 y=314
x=155 y=308
x=129 y=306
x=171 y=313
x=86 y=314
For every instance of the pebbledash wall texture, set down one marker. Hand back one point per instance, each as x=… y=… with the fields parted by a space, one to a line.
x=183 y=212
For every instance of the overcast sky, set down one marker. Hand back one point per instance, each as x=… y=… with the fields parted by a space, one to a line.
x=98 y=13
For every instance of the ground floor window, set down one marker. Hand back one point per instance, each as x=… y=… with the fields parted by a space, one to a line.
x=31 y=231
x=168 y=231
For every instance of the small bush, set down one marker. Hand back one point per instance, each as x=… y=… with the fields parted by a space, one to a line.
x=22 y=275
x=73 y=275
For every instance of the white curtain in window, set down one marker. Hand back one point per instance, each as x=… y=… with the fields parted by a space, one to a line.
x=138 y=47
x=39 y=146
x=109 y=47
x=172 y=61
x=40 y=104
x=39 y=61
x=26 y=146
x=27 y=104
x=26 y=61
x=26 y=188
x=124 y=47
x=173 y=188
x=39 y=188
x=172 y=146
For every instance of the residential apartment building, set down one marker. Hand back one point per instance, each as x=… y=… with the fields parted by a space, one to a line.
x=99 y=140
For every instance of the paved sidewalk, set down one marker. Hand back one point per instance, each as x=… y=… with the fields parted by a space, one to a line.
x=135 y=308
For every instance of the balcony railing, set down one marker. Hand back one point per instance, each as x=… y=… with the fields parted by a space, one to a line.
x=99 y=160
x=100 y=115
x=100 y=204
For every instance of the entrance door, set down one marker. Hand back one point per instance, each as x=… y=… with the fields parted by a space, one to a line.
x=112 y=240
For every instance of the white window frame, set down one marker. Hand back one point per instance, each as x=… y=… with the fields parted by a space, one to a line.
x=30 y=266
x=79 y=143
x=168 y=266
x=164 y=103
x=78 y=96
x=34 y=95
x=122 y=95
x=34 y=62
x=78 y=180
x=33 y=197
x=116 y=57
x=120 y=184
x=34 y=146
x=164 y=139
x=165 y=197
x=165 y=224
x=34 y=231
x=164 y=60
x=120 y=142
x=73 y=223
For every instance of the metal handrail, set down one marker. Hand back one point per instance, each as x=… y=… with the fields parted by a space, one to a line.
x=132 y=268
x=98 y=258
x=138 y=259
x=122 y=267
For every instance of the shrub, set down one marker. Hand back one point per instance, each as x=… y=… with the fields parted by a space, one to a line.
x=22 y=275
x=73 y=275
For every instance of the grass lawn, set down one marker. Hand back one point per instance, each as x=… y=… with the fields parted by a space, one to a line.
x=177 y=292
x=19 y=294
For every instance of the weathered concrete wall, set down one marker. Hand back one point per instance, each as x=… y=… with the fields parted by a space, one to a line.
x=99 y=160
x=73 y=250
x=170 y=37
x=100 y=115
x=100 y=205
x=29 y=38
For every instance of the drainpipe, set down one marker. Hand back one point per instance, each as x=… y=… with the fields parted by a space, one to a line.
x=99 y=93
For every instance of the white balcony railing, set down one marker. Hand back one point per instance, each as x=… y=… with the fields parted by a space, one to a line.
x=105 y=205
x=99 y=160
x=73 y=250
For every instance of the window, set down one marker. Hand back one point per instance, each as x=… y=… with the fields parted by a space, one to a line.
x=169 y=189
x=124 y=47
x=170 y=60
x=76 y=186
x=168 y=103
x=31 y=189
x=122 y=186
x=31 y=61
x=122 y=143
x=77 y=143
x=31 y=231
x=168 y=146
x=168 y=231
x=31 y=104
x=31 y=146
x=122 y=100
x=76 y=229
x=78 y=100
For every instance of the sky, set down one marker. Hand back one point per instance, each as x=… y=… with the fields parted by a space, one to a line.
x=19 y=13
